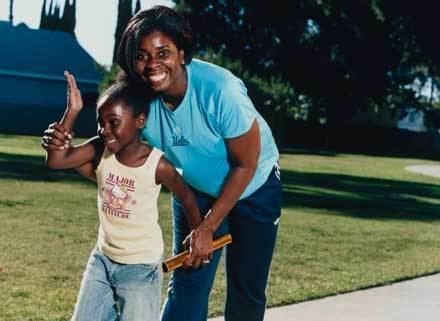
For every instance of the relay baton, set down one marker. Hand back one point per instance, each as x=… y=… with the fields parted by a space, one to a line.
x=177 y=261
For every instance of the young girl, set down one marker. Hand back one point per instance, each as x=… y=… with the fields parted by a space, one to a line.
x=123 y=275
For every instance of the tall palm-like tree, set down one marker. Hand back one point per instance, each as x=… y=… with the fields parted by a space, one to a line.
x=125 y=12
x=53 y=21
x=11 y=9
x=138 y=7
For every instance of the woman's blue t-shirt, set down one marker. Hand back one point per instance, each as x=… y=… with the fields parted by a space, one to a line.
x=215 y=107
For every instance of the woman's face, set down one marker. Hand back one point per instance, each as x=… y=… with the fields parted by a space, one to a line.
x=161 y=64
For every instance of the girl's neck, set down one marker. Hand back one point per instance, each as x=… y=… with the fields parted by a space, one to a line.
x=134 y=154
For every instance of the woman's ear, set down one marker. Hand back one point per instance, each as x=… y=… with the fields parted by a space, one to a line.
x=182 y=56
x=141 y=120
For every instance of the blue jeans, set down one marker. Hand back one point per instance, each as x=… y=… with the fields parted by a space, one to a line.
x=253 y=223
x=124 y=292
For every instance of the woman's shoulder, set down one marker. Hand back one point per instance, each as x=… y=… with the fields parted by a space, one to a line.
x=209 y=74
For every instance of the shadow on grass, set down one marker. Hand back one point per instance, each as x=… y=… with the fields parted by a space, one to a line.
x=354 y=196
x=307 y=151
x=33 y=168
x=370 y=198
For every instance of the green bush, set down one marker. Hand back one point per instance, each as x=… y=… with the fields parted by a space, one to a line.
x=270 y=94
x=109 y=77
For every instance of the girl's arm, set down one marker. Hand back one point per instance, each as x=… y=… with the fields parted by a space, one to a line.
x=71 y=157
x=167 y=175
x=88 y=171
x=81 y=157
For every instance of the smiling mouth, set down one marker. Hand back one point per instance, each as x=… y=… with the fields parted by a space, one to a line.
x=110 y=141
x=157 y=77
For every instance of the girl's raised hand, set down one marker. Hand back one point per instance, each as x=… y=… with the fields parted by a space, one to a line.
x=74 y=100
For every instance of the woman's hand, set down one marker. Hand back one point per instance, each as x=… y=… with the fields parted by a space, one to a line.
x=200 y=247
x=55 y=137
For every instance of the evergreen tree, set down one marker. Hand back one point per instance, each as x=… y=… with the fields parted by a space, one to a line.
x=43 y=16
x=69 y=19
x=47 y=20
x=52 y=19
x=11 y=9
x=124 y=15
x=55 y=18
x=138 y=7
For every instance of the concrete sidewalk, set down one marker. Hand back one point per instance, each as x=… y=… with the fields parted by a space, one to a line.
x=413 y=300
x=430 y=170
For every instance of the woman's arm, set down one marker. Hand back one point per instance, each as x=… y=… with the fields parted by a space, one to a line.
x=243 y=153
x=56 y=138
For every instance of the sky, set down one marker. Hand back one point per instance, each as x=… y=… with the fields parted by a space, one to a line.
x=95 y=21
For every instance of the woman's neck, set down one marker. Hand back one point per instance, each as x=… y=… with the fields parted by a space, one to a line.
x=173 y=97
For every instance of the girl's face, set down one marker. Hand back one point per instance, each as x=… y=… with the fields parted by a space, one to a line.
x=117 y=126
x=161 y=64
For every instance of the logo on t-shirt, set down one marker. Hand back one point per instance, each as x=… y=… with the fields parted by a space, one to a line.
x=180 y=140
x=117 y=195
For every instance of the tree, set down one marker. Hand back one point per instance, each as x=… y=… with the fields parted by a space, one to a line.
x=11 y=11
x=52 y=20
x=345 y=55
x=68 y=20
x=124 y=15
x=43 y=16
x=414 y=28
x=138 y=7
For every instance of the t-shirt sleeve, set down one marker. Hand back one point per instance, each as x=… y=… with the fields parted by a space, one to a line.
x=236 y=112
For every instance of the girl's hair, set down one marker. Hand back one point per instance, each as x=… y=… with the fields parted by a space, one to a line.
x=158 y=18
x=136 y=97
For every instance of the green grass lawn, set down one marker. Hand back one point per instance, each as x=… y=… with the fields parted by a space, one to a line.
x=349 y=222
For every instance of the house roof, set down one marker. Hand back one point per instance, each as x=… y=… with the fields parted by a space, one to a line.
x=44 y=54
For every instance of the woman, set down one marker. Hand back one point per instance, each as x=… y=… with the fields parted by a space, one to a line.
x=207 y=126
